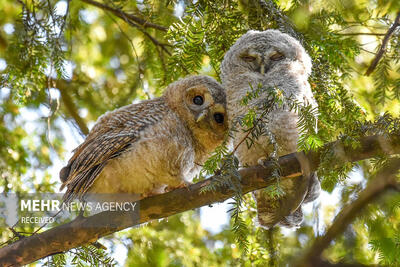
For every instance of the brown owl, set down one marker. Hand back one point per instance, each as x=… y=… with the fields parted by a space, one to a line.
x=142 y=148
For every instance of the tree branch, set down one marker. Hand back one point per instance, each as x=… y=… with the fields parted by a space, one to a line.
x=382 y=49
x=123 y=15
x=136 y=22
x=384 y=180
x=71 y=107
x=323 y=263
x=360 y=33
x=84 y=230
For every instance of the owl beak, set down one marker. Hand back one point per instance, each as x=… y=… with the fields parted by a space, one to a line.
x=201 y=115
x=262 y=69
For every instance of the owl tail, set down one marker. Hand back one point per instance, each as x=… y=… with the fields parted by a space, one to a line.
x=64 y=173
x=293 y=220
x=314 y=189
x=296 y=218
x=286 y=211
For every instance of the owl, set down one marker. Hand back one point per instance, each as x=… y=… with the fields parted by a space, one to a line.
x=271 y=59
x=145 y=148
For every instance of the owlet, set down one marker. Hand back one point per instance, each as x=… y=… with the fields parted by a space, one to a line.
x=142 y=148
x=271 y=59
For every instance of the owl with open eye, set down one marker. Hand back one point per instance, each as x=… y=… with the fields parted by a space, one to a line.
x=271 y=59
x=141 y=149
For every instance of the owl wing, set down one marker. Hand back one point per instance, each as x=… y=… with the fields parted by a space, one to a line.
x=113 y=134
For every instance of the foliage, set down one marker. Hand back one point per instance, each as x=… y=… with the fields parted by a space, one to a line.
x=64 y=63
x=83 y=256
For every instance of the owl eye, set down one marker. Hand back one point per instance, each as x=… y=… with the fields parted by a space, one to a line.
x=219 y=117
x=248 y=58
x=277 y=56
x=198 y=100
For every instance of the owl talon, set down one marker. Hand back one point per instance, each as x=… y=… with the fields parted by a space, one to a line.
x=184 y=184
x=264 y=161
x=293 y=220
x=149 y=194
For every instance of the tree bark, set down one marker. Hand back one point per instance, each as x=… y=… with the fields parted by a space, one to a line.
x=84 y=230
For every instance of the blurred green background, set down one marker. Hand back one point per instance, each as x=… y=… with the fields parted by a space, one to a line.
x=64 y=63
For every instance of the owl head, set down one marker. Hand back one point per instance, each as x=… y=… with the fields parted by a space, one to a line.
x=265 y=52
x=200 y=101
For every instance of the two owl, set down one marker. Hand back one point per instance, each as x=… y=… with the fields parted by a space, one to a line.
x=144 y=148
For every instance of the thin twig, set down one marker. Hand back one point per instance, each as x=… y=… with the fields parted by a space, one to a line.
x=133 y=48
x=250 y=130
x=119 y=13
x=72 y=109
x=361 y=33
x=365 y=50
x=65 y=19
x=382 y=49
x=124 y=16
x=361 y=25
x=154 y=40
x=15 y=233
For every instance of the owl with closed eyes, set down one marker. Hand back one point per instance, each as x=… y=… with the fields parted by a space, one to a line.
x=271 y=59
x=141 y=149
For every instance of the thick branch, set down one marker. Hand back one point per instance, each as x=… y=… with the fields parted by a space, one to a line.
x=382 y=49
x=121 y=14
x=385 y=179
x=83 y=230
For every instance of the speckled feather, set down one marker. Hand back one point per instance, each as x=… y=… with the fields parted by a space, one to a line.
x=113 y=134
x=289 y=73
x=143 y=148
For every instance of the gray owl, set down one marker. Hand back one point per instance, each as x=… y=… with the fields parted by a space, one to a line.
x=273 y=60
x=142 y=148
